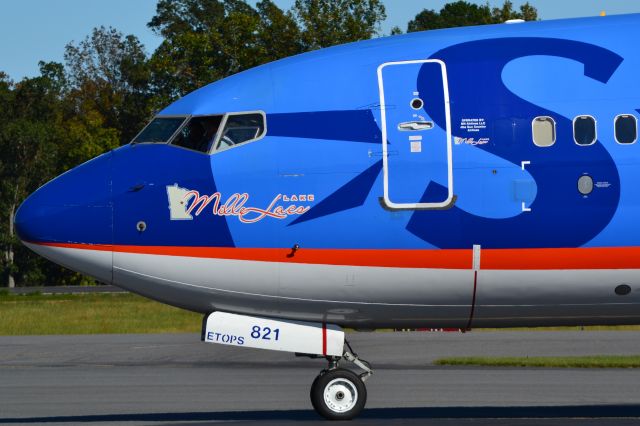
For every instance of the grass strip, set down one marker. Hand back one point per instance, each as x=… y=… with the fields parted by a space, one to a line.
x=598 y=361
x=94 y=313
x=91 y=314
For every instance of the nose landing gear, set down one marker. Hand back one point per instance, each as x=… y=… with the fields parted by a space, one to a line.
x=338 y=393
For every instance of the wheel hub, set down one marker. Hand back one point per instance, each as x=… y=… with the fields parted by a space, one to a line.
x=340 y=395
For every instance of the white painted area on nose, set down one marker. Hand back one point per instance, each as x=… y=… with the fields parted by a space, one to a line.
x=95 y=263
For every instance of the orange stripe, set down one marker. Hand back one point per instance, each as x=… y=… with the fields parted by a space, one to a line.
x=81 y=246
x=494 y=259
x=446 y=259
x=562 y=258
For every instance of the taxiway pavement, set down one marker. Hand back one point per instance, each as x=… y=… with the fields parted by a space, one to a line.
x=176 y=379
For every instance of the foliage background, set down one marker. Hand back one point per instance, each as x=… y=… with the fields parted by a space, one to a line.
x=109 y=86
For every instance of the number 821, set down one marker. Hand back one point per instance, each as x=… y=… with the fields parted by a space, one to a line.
x=265 y=333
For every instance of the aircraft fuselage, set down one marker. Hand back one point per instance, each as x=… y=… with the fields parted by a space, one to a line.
x=474 y=177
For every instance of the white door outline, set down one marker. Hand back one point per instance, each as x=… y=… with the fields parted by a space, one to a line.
x=385 y=160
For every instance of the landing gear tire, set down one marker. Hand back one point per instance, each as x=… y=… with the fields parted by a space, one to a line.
x=338 y=394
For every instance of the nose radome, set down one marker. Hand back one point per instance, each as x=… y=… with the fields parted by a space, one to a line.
x=70 y=219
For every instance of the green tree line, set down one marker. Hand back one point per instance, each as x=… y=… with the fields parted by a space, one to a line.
x=109 y=86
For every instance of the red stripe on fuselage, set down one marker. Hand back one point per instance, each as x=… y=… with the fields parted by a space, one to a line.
x=494 y=259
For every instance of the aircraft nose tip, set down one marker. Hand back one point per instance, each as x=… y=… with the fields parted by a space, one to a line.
x=69 y=220
x=75 y=207
x=24 y=220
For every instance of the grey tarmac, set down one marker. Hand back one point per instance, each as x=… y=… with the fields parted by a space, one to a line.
x=177 y=380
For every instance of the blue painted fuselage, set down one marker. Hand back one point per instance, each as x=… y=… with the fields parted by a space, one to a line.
x=324 y=138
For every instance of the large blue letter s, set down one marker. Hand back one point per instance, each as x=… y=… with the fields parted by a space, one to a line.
x=559 y=216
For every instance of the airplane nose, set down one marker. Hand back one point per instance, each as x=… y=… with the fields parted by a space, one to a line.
x=70 y=219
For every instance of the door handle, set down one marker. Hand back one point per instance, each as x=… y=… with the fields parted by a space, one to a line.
x=415 y=126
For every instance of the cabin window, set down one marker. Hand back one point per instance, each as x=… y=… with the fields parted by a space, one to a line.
x=160 y=130
x=544 y=131
x=584 y=130
x=241 y=128
x=626 y=129
x=198 y=134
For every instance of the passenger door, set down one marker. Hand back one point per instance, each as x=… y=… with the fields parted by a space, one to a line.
x=416 y=134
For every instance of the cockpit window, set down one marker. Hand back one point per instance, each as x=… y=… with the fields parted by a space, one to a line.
x=159 y=130
x=204 y=133
x=199 y=133
x=241 y=128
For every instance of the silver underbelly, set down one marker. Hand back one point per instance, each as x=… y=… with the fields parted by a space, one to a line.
x=378 y=297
